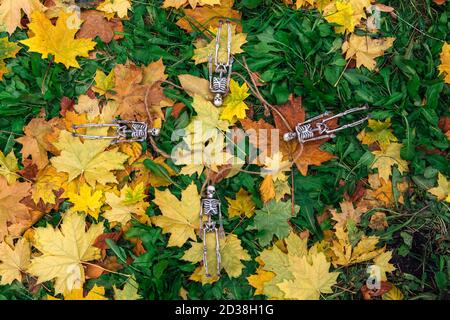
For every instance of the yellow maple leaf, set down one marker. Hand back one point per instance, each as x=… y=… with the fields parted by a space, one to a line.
x=205 y=124
x=348 y=212
x=267 y=189
x=154 y=72
x=275 y=261
x=87 y=159
x=129 y=291
x=64 y=251
x=194 y=3
x=311 y=277
x=9 y=167
x=444 y=67
x=195 y=85
x=344 y=254
x=201 y=54
x=380 y=132
x=275 y=166
x=442 y=191
x=365 y=49
x=130 y=201
x=303 y=3
x=278 y=261
x=7 y=50
x=96 y=293
x=112 y=7
x=234 y=105
x=47 y=181
x=340 y=13
x=145 y=176
x=382 y=262
x=257 y=280
x=242 y=205
x=210 y=154
x=282 y=188
x=231 y=252
x=321 y=4
x=86 y=200
x=393 y=294
x=91 y=108
x=11 y=12
x=58 y=40
x=104 y=83
x=132 y=150
x=14 y=261
x=385 y=159
x=180 y=218
x=346 y=13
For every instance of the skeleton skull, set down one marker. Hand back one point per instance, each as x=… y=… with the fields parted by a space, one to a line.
x=154 y=132
x=218 y=101
x=210 y=191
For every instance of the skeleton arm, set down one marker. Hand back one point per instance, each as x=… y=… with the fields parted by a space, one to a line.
x=230 y=69
x=221 y=231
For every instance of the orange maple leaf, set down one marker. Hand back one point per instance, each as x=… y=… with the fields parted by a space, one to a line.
x=137 y=91
x=35 y=143
x=206 y=16
x=11 y=210
x=259 y=134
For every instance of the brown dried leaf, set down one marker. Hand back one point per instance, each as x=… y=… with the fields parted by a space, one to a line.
x=95 y=24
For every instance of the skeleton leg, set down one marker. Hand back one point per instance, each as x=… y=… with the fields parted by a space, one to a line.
x=210 y=71
x=205 y=258
x=341 y=114
x=94 y=125
x=349 y=125
x=218 y=257
x=316 y=118
x=221 y=231
x=219 y=29
x=229 y=35
x=201 y=219
x=93 y=137
x=127 y=140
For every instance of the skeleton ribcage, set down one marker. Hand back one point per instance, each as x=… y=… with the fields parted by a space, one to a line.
x=305 y=132
x=219 y=85
x=139 y=130
x=210 y=207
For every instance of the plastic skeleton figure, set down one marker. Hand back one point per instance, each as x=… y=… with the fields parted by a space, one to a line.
x=211 y=207
x=219 y=80
x=126 y=131
x=305 y=131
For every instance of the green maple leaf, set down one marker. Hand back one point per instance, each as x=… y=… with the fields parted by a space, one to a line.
x=129 y=291
x=273 y=220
